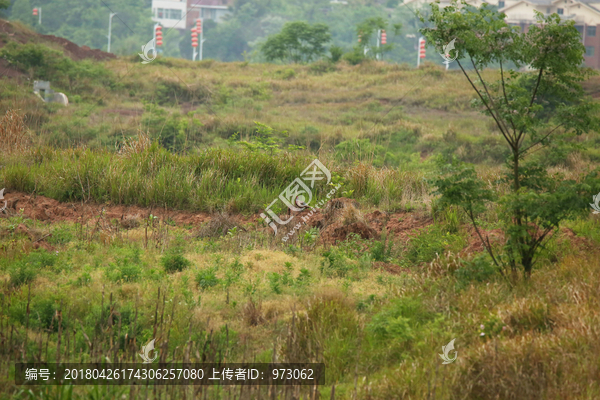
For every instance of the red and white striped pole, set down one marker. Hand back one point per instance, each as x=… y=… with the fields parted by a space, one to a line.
x=38 y=13
x=194 y=43
x=421 y=53
x=383 y=40
x=158 y=35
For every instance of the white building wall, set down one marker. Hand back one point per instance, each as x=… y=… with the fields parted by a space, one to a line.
x=169 y=13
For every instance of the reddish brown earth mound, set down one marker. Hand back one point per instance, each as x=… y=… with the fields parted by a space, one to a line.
x=332 y=222
x=70 y=49
x=336 y=222
x=46 y=209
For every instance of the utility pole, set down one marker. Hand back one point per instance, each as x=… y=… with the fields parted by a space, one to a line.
x=378 y=40
x=201 y=39
x=38 y=11
x=109 y=29
x=194 y=42
x=421 y=52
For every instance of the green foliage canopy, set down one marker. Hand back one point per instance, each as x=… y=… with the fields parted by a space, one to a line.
x=297 y=42
x=532 y=109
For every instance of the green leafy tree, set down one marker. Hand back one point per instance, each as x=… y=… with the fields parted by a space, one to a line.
x=367 y=30
x=85 y=22
x=297 y=42
x=22 y=11
x=532 y=110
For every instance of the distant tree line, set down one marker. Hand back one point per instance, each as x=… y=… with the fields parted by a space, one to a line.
x=240 y=35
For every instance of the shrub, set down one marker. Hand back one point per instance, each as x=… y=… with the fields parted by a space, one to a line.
x=286 y=74
x=174 y=262
x=123 y=271
x=41 y=258
x=400 y=320
x=304 y=277
x=129 y=273
x=336 y=53
x=22 y=273
x=46 y=310
x=528 y=315
x=25 y=270
x=480 y=269
x=335 y=264
x=205 y=279
x=379 y=252
x=354 y=57
x=431 y=241
x=322 y=67
x=275 y=282
x=174 y=92
x=61 y=235
x=84 y=279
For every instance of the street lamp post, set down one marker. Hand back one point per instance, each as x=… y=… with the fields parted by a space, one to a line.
x=110 y=29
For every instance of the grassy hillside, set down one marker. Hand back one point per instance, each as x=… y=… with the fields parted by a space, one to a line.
x=132 y=214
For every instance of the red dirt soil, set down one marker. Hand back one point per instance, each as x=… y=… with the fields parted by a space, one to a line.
x=332 y=221
x=44 y=208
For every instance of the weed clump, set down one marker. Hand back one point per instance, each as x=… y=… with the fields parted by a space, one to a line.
x=335 y=264
x=174 y=261
x=431 y=242
x=206 y=279
x=26 y=270
x=22 y=274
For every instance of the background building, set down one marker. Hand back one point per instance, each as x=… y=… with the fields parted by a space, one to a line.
x=172 y=13
x=586 y=15
x=446 y=3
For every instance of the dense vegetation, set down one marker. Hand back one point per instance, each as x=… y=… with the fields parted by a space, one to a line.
x=224 y=139
x=238 y=37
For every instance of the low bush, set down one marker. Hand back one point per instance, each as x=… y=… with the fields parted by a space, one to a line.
x=335 y=264
x=60 y=235
x=84 y=279
x=123 y=270
x=430 y=242
x=479 y=269
x=25 y=270
x=354 y=57
x=174 y=261
x=400 y=320
x=22 y=273
x=207 y=278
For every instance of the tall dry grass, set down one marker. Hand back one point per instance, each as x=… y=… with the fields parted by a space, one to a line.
x=15 y=138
